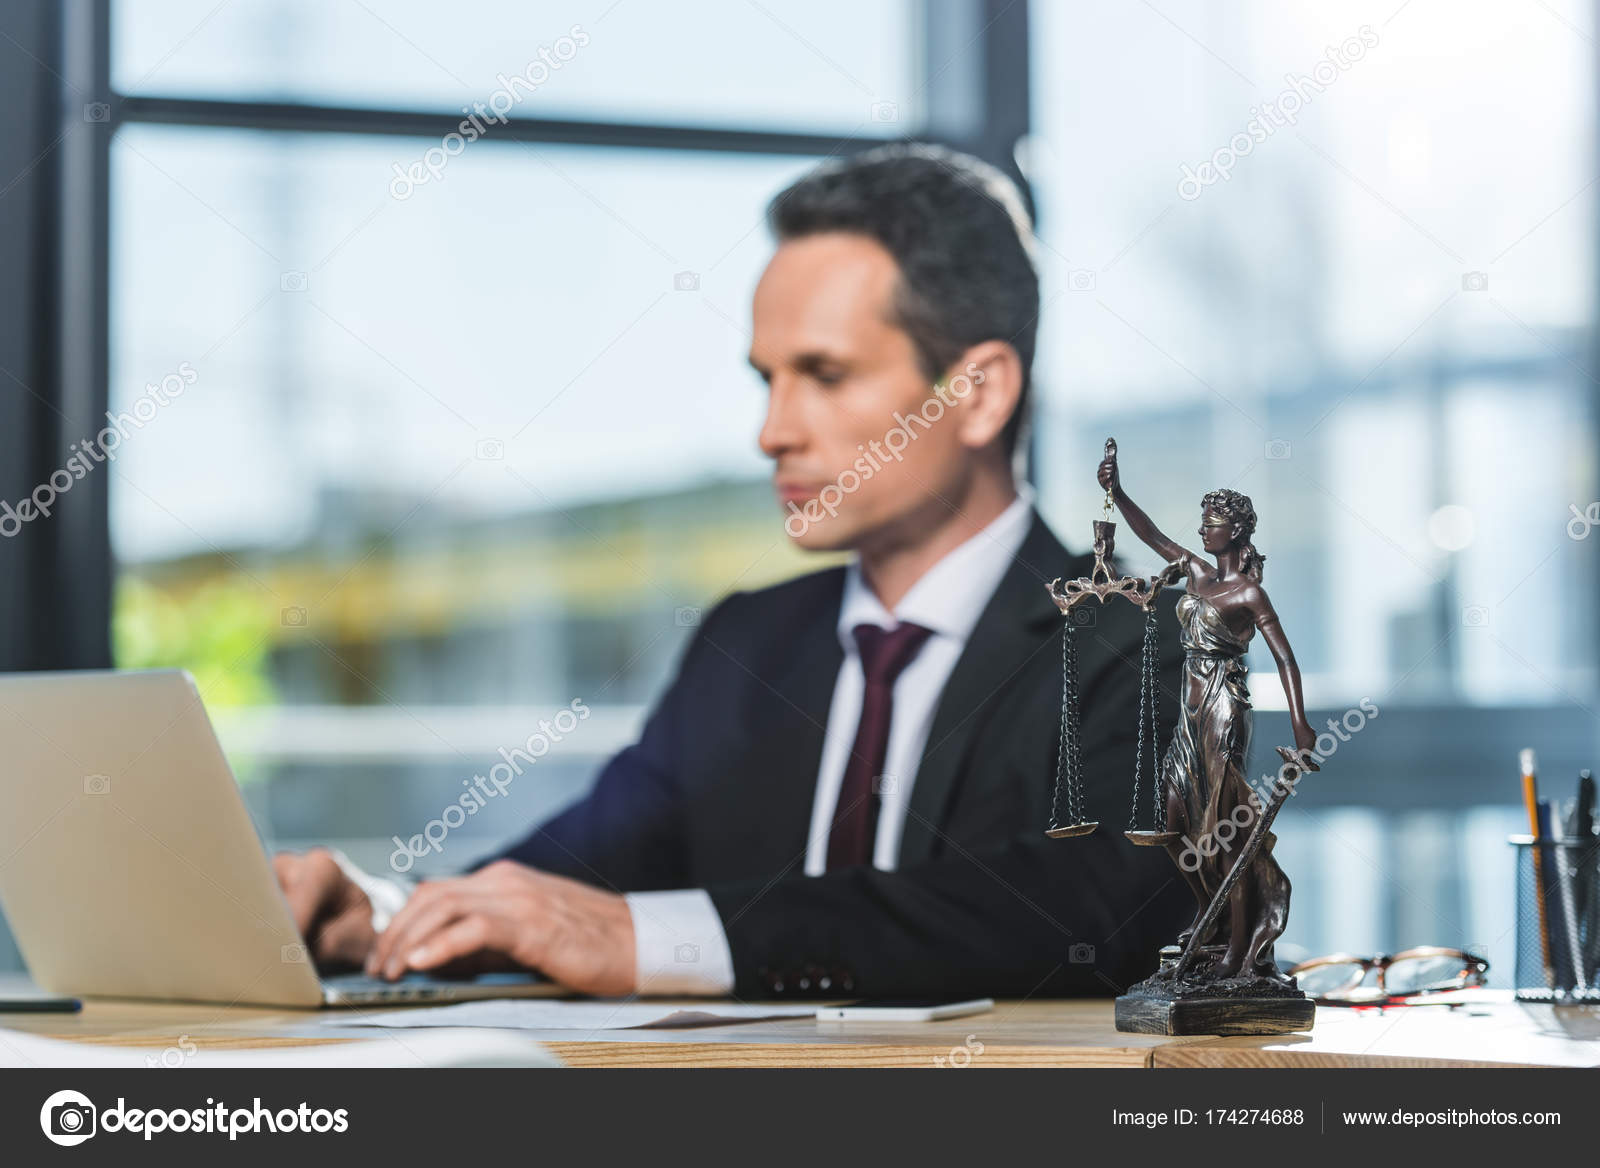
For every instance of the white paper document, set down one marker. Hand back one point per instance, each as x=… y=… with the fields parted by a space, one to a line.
x=445 y=1048
x=543 y=1014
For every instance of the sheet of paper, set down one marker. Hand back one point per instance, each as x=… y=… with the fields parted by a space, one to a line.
x=541 y=1014
x=441 y=1048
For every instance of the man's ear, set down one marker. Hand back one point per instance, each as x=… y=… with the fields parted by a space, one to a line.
x=984 y=385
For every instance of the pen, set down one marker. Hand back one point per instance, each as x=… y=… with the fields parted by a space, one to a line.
x=1583 y=831
x=1564 y=943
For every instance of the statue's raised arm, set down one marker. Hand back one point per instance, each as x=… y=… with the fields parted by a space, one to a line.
x=1110 y=477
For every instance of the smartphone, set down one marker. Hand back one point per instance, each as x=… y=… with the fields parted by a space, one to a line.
x=38 y=1003
x=903 y=1010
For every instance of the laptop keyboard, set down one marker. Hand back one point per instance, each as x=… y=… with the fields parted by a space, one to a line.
x=419 y=987
x=355 y=986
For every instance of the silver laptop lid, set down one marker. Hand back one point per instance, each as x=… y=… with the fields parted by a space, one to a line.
x=129 y=866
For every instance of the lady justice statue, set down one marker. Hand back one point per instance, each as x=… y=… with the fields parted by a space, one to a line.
x=1221 y=978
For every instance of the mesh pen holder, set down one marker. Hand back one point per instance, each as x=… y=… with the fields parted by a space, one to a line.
x=1558 y=948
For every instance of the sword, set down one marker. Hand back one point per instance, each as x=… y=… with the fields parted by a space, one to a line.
x=1258 y=836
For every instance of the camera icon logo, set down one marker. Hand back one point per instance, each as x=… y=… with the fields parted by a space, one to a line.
x=293 y=282
x=97 y=111
x=293 y=955
x=885 y=785
x=67 y=1118
x=1081 y=954
x=293 y=617
x=686 y=954
x=1081 y=280
x=97 y=784
x=491 y=450
x=1475 y=616
x=884 y=111
x=1475 y=281
x=686 y=282
x=1278 y=449
x=686 y=616
x=1084 y=617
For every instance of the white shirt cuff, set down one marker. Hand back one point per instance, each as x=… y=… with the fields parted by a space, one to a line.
x=680 y=949
x=387 y=896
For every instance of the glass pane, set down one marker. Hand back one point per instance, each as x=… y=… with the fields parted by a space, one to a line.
x=829 y=65
x=414 y=474
x=1365 y=325
x=1375 y=326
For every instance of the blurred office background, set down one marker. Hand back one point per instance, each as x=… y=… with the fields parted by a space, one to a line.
x=454 y=452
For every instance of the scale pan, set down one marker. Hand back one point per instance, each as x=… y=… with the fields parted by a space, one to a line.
x=1072 y=829
x=1153 y=839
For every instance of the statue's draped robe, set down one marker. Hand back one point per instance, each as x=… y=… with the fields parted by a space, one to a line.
x=1205 y=765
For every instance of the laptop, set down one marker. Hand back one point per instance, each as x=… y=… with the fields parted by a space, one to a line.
x=129 y=866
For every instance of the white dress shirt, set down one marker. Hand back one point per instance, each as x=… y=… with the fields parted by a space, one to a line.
x=680 y=947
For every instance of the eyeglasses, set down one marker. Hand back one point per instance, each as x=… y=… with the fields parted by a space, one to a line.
x=1342 y=979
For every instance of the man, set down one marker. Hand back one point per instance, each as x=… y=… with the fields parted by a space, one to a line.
x=845 y=789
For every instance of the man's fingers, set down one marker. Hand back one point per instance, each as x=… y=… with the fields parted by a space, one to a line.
x=462 y=938
x=389 y=958
x=345 y=937
x=421 y=898
x=307 y=887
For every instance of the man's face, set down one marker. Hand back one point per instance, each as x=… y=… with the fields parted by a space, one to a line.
x=841 y=380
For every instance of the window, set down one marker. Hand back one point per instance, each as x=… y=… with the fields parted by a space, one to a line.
x=458 y=426
x=1314 y=254
x=831 y=65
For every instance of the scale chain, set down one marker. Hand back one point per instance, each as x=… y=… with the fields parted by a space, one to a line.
x=1138 y=753
x=1138 y=758
x=1062 y=746
x=1152 y=685
x=1074 y=740
x=1148 y=698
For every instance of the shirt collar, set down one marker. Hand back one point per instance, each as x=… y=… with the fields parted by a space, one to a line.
x=953 y=593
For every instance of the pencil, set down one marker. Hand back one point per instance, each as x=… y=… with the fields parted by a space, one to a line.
x=1530 y=800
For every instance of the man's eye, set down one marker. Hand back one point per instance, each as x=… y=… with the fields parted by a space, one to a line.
x=828 y=376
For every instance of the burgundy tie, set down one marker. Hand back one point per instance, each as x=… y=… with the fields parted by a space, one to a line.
x=884 y=653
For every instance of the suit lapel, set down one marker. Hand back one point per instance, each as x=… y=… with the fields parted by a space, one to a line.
x=776 y=820
x=1019 y=621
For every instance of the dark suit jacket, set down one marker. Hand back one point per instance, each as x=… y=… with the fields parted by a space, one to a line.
x=717 y=794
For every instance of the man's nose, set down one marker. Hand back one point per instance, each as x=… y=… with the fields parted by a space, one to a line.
x=781 y=431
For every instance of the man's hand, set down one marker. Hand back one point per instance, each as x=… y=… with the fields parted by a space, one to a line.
x=509 y=915
x=331 y=912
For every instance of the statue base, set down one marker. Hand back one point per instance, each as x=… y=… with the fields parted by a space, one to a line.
x=1200 y=1004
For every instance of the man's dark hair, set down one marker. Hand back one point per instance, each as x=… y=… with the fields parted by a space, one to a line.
x=958 y=231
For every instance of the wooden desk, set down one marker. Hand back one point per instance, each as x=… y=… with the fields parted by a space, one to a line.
x=1014 y=1034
